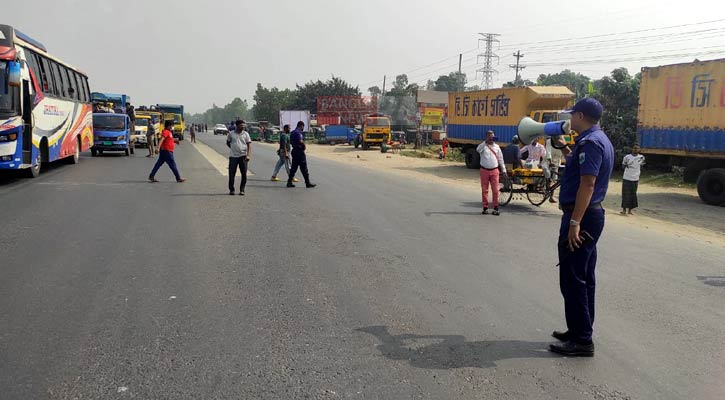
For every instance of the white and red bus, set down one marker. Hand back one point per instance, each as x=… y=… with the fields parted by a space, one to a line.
x=45 y=106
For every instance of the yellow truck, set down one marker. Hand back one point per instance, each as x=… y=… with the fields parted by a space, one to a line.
x=472 y=114
x=376 y=130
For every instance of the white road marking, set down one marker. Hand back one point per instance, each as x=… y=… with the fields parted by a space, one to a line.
x=218 y=161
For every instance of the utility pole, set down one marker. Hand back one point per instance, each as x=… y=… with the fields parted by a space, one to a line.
x=460 y=78
x=518 y=67
x=383 y=94
x=488 y=70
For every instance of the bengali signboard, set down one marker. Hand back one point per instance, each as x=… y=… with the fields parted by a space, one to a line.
x=432 y=116
x=351 y=109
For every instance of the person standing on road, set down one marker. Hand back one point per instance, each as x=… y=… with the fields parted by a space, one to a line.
x=632 y=164
x=583 y=188
x=192 y=133
x=552 y=162
x=284 y=154
x=299 y=159
x=131 y=112
x=166 y=154
x=151 y=138
x=240 y=149
x=512 y=153
x=492 y=166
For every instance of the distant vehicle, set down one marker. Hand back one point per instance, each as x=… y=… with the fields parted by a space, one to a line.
x=335 y=134
x=111 y=133
x=273 y=135
x=44 y=118
x=376 y=131
x=174 y=112
x=138 y=138
x=220 y=129
x=680 y=121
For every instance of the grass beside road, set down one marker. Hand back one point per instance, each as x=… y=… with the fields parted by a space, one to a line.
x=432 y=151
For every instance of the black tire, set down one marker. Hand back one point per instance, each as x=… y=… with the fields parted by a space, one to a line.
x=77 y=155
x=34 y=171
x=94 y=152
x=505 y=193
x=100 y=152
x=711 y=186
x=473 y=159
x=365 y=146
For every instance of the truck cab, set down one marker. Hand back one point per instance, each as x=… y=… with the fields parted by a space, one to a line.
x=376 y=131
x=111 y=132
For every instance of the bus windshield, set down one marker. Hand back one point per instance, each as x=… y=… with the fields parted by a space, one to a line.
x=9 y=96
x=109 y=122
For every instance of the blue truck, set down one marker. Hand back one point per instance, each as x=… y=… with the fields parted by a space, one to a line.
x=335 y=134
x=110 y=102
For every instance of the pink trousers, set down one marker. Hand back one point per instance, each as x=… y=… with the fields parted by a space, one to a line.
x=489 y=177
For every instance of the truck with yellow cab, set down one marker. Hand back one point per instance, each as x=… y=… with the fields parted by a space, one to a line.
x=156 y=119
x=472 y=114
x=141 y=126
x=174 y=112
x=375 y=130
x=681 y=122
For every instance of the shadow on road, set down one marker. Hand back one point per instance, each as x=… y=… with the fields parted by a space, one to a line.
x=452 y=351
x=431 y=213
x=717 y=281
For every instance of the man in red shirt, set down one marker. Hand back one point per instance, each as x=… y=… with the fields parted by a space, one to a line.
x=166 y=154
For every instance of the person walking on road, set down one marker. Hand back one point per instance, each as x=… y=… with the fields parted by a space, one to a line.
x=299 y=159
x=583 y=188
x=151 y=138
x=166 y=154
x=240 y=149
x=283 y=152
x=491 y=167
x=632 y=164
x=192 y=133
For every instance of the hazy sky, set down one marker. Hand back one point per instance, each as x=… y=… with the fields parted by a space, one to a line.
x=200 y=52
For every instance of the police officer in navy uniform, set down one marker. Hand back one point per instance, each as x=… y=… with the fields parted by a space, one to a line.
x=583 y=187
x=299 y=159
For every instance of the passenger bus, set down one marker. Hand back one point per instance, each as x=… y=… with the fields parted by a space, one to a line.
x=45 y=106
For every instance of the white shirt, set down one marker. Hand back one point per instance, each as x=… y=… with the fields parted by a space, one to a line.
x=238 y=143
x=491 y=156
x=536 y=151
x=632 y=166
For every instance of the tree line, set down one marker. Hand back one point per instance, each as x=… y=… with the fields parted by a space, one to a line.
x=618 y=93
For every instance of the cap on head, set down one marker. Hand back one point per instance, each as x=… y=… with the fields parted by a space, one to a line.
x=588 y=106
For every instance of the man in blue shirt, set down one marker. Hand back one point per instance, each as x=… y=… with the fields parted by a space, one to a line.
x=299 y=159
x=583 y=187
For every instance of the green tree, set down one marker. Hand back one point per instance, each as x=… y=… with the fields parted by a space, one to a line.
x=307 y=94
x=238 y=108
x=523 y=82
x=375 y=91
x=453 y=82
x=619 y=95
x=576 y=82
x=269 y=102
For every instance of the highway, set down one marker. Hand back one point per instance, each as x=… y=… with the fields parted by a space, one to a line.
x=365 y=287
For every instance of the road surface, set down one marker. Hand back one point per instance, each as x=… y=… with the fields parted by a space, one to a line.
x=366 y=287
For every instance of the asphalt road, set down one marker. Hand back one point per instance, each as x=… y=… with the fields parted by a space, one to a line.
x=367 y=287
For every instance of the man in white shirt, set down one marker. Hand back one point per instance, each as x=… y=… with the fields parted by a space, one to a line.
x=240 y=148
x=491 y=163
x=632 y=164
x=536 y=151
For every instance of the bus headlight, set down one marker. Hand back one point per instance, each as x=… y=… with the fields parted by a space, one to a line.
x=9 y=137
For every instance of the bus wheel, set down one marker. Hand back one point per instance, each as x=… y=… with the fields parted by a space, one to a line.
x=34 y=171
x=77 y=154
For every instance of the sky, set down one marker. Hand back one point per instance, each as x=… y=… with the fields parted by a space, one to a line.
x=199 y=53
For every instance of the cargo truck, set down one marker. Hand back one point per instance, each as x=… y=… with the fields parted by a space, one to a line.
x=472 y=114
x=174 y=112
x=376 y=131
x=681 y=122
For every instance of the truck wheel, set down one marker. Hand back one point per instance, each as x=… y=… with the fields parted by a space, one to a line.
x=711 y=187
x=473 y=159
x=365 y=145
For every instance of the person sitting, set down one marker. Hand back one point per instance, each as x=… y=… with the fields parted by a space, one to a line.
x=534 y=153
x=512 y=154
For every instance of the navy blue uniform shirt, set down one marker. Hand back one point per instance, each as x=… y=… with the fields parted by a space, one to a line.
x=296 y=138
x=593 y=154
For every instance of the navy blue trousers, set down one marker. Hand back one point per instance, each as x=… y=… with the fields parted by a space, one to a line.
x=167 y=157
x=299 y=160
x=576 y=275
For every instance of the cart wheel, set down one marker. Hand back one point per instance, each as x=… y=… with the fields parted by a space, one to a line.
x=536 y=196
x=506 y=191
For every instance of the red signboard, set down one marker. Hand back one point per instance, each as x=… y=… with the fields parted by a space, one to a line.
x=351 y=109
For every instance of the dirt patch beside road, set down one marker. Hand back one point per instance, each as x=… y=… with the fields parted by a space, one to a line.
x=678 y=211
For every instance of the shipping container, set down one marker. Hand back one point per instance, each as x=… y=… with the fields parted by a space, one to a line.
x=472 y=114
x=681 y=121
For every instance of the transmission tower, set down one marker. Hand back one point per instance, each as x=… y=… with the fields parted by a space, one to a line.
x=518 y=67
x=488 y=70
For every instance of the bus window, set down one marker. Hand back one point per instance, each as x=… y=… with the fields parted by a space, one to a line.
x=32 y=60
x=88 y=91
x=47 y=76
x=73 y=87
x=59 y=88
x=66 y=81
x=81 y=90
